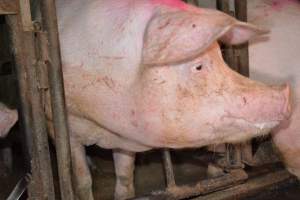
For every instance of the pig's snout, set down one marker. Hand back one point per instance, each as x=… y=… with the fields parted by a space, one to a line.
x=287 y=104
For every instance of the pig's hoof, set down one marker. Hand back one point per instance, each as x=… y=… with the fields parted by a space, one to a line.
x=214 y=171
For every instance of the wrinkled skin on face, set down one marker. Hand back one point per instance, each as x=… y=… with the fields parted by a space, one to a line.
x=278 y=55
x=149 y=74
x=8 y=118
x=208 y=101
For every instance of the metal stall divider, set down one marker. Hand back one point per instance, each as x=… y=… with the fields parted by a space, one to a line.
x=27 y=38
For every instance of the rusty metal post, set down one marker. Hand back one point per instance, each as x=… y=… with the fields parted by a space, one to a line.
x=242 y=64
x=194 y=2
x=169 y=172
x=233 y=154
x=41 y=186
x=62 y=143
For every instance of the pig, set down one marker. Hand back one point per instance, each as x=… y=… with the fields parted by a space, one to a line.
x=149 y=74
x=276 y=59
x=8 y=118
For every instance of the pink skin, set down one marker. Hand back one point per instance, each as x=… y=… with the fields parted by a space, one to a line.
x=279 y=5
x=132 y=83
x=170 y=3
x=8 y=118
x=278 y=54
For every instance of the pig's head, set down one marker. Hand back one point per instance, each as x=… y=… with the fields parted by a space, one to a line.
x=188 y=95
x=8 y=118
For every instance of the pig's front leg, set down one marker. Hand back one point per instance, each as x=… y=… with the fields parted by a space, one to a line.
x=81 y=173
x=124 y=168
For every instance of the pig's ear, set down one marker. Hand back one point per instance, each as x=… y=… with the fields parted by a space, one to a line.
x=175 y=37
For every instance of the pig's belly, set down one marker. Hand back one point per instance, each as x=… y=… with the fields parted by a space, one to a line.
x=88 y=133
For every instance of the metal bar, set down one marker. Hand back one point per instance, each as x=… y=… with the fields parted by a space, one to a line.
x=170 y=178
x=201 y=188
x=231 y=56
x=8 y=7
x=24 y=109
x=241 y=51
x=41 y=187
x=193 y=2
x=242 y=63
x=26 y=15
x=25 y=118
x=62 y=143
x=250 y=187
x=223 y=5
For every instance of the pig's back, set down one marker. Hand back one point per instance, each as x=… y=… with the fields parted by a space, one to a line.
x=101 y=34
x=276 y=59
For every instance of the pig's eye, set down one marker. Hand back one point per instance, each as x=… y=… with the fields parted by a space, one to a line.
x=199 y=67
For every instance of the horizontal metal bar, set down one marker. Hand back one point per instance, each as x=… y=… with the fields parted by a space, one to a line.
x=8 y=7
x=250 y=187
x=201 y=188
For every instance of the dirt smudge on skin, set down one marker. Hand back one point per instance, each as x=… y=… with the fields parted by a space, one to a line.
x=134 y=123
x=183 y=92
x=109 y=82
x=173 y=130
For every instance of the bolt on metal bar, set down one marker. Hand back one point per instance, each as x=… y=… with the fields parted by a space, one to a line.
x=49 y=19
x=168 y=166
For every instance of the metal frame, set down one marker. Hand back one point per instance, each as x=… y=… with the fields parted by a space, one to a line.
x=27 y=38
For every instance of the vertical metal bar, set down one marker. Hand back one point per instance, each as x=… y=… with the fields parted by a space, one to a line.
x=24 y=48
x=233 y=154
x=25 y=118
x=193 y=2
x=49 y=19
x=223 y=5
x=170 y=178
x=227 y=50
x=26 y=15
x=242 y=56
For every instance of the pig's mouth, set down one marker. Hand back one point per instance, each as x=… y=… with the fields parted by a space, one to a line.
x=242 y=130
x=266 y=125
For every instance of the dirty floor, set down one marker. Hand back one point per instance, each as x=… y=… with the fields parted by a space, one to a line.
x=190 y=167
